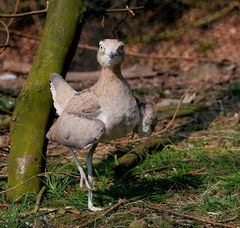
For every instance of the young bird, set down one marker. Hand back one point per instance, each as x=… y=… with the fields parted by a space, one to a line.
x=106 y=111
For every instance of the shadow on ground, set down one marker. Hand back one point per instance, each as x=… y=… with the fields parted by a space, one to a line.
x=222 y=100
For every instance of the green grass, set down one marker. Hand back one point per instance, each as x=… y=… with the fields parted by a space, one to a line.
x=12 y=216
x=192 y=178
x=55 y=182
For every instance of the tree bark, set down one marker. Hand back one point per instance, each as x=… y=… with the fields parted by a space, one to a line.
x=31 y=116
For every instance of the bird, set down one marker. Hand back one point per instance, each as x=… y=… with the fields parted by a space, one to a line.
x=104 y=112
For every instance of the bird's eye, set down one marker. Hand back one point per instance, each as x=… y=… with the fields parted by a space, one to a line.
x=101 y=47
x=121 y=48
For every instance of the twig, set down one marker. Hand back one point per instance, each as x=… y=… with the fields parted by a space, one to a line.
x=66 y=209
x=88 y=47
x=114 y=207
x=31 y=178
x=51 y=210
x=5 y=111
x=35 y=18
x=129 y=53
x=3 y=177
x=202 y=219
x=230 y=219
x=24 y=182
x=119 y=23
x=104 y=213
x=103 y=21
x=4 y=124
x=173 y=118
x=196 y=218
x=154 y=56
x=16 y=15
x=21 y=34
x=2 y=15
x=14 y=12
x=6 y=44
x=24 y=35
x=37 y=204
x=127 y=9
x=130 y=10
x=156 y=169
x=39 y=197
x=3 y=165
x=196 y=172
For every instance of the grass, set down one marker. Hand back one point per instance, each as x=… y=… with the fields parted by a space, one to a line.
x=193 y=177
x=12 y=215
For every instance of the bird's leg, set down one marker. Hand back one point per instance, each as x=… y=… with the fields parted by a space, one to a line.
x=82 y=174
x=90 y=178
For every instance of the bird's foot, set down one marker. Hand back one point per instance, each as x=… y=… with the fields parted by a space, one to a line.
x=94 y=209
x=90 y=202
x=83 y=179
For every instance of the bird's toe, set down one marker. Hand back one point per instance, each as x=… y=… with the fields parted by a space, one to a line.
x=94 y=209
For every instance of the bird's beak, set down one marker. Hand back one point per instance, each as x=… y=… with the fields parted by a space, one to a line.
x=111 y=55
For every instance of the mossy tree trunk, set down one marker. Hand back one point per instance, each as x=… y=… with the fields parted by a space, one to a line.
x=31 y=116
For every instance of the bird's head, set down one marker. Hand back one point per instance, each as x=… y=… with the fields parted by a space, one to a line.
x=110 y=53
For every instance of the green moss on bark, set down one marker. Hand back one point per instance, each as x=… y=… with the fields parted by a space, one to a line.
x=31 y=116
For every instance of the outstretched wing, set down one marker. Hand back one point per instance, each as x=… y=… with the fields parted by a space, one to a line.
x=61 y=91
x=78 y=125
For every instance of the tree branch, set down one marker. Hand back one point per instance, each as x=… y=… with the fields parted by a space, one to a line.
x=37 y=204
x=127 y=9
x=14 y=12
x=129 y=53
x=8 y=36
x=2 y=15
x=173 y=34
x=3 y=46
x=16 y=15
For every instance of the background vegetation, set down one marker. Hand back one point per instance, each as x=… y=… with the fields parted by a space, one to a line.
x=191 y=176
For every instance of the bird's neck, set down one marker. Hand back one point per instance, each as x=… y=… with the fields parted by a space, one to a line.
x=110 y=74
x=110 y=81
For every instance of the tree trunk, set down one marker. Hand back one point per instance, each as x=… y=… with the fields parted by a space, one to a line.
x=31 y=116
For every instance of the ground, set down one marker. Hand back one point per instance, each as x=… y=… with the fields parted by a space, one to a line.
x=192 y=181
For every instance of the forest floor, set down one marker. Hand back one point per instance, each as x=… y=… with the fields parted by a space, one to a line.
x=192 y=181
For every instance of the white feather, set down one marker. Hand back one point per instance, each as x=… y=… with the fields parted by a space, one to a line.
x=56 y=105
x=103 y=117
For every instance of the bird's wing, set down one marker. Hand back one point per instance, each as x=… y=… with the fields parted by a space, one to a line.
x=148 y=118
x=78 y=125
x=61 y=91
x=84 y=103
x=76 y=131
